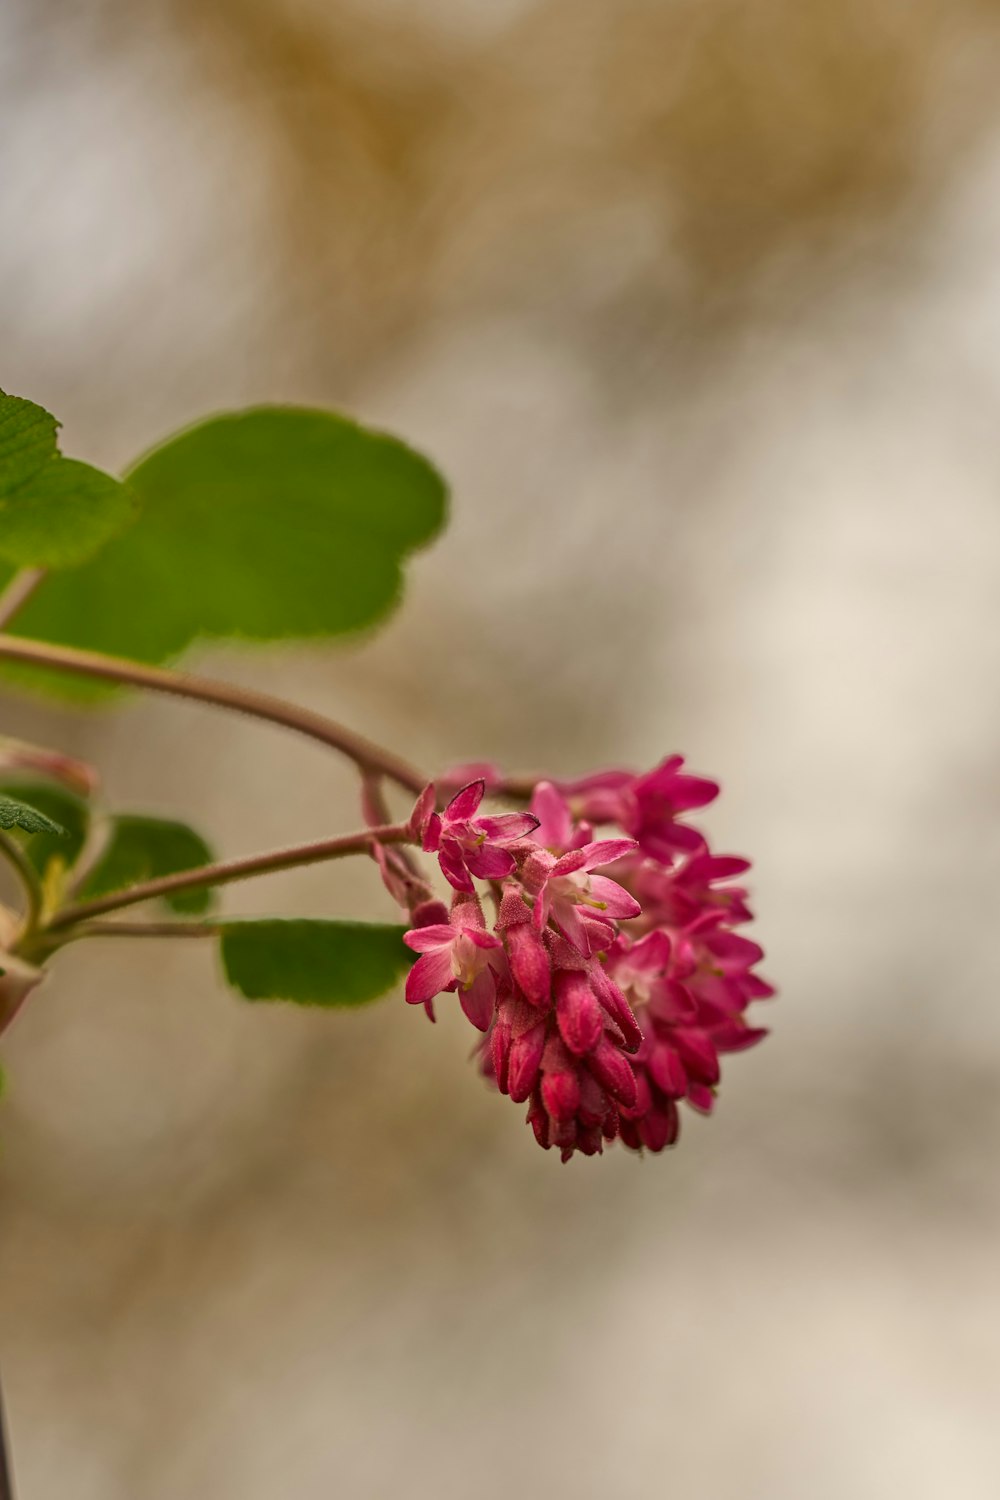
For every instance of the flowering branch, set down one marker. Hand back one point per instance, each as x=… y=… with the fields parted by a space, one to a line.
x=232 y=870
x=365 y=754
x=612 y=980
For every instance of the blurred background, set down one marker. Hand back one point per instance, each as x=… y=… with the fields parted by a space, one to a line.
x=698 y=305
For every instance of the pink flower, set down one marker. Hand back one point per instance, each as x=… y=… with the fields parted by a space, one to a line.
x=646 y=971
x=561 y=886
x=678 y=897
x=468 y=846
x=647 y=807
x=607 y=999
x=567 y=1064
x=655 y=802
x=556 y=830
x=689 y=994
x=456 y=955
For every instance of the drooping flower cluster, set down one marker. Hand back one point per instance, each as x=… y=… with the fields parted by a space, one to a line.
x=612 y=978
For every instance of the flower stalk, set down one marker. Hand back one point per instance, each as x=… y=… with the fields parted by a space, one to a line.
x=227 y=872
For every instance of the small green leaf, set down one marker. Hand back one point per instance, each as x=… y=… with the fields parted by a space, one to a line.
x=314 y=962
x=16 y=814
x=55 y=512
x=67 y=815
x=271 y=524
x=143 y=848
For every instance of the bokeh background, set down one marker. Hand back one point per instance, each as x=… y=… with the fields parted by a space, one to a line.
x=698 y=305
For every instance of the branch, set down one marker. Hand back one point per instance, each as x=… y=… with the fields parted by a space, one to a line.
x=368 y=756
x=237 y=869
x=146 y=930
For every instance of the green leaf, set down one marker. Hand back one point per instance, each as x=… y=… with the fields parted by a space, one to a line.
x=143 y=848
x=314 y=962
x=15 y=814
x=65 y=812
x=27 y=440
x=55 y=512
x=274 y=523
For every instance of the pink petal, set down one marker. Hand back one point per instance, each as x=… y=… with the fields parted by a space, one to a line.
x=614 y=898
x=482 y=939
x=733 y=951
x=664 y=842
x=643 y=1097
x=529 y=962
x=479 y=999
x=617 y=1007
x=667 y=1072
x=539 y=1122
x=712 y=867
x=489 y=863
x=650 y=954
x=423 y=810
x=508 y=827
x=659 y=1129
x=568 y=864
x=426 y=939
x=732 y=1037
x=453 y=867
x=675 y=1003
x=577 y=1012
x=561 y=1093
x=525 y=1062
x=668 y=784
x=500 y=1045
x=699 y=1057
x=429 y=976
x=598 y=933
x=567 y=918
x=614 y=1071
x=464 y=803
x=757 y=988
x=605 y=852
x=432 y=834
x=701 y=1098
x=555 y=822
x=543 y=905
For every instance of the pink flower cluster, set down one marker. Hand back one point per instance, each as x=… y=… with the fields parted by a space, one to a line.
x=613 y=977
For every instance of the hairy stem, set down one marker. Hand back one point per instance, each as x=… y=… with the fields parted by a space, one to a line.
x=145 y=930
x=237 y=869
x=15 y=856
x=368 y=756
x=18 y=592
